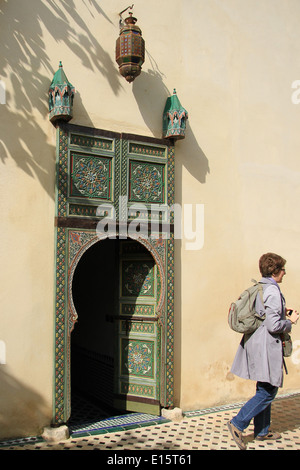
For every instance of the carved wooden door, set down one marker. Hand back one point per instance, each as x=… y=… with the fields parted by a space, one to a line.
x=137 y=331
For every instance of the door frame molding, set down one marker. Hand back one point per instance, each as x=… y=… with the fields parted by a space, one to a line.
x=73 y=237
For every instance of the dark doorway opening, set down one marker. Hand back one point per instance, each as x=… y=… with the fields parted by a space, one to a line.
x=94 y=291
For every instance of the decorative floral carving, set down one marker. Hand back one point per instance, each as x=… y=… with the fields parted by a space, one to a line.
x=147 y=182
x=139 y=358
x=138 y=279
x=91 y=176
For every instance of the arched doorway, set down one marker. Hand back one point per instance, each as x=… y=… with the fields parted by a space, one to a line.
x=116 y=342
x=94 y=290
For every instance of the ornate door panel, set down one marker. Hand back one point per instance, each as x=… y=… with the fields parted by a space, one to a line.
x=100 y=168
x=138 y=331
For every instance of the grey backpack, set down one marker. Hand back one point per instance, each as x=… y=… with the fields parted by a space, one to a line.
x=242 y=316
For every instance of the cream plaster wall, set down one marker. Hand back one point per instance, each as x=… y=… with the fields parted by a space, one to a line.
x=233 y=63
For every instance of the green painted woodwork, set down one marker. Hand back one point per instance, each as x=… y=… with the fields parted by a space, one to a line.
x=61 y=95
x=146 y=182
x=90 y=176
x=174 y=118
x=144 y=314
x=138 y=407
x=138 y=374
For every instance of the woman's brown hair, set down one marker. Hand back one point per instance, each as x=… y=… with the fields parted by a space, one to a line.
x=270 y=264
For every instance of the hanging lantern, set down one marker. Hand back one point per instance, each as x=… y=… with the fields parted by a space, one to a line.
x=61 y=95
x=174 y=118
x=130 y=49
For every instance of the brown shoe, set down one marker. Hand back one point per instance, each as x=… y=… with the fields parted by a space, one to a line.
x=271 y=436
x=237 y=436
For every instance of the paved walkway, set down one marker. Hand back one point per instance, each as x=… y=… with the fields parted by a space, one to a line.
x=198 y=430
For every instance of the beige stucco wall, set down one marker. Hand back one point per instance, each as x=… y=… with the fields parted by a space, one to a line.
x=233 y=63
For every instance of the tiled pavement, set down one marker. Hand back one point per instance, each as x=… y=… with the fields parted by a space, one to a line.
x=198 y=430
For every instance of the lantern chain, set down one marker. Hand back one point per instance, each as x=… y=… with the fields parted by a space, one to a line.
x=120 y=14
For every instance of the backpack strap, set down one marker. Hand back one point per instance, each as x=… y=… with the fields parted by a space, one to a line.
x=260 y=291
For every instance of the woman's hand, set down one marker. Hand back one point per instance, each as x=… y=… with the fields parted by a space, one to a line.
x=294 y=317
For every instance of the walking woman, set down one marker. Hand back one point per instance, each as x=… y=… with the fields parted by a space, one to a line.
x=260 y=356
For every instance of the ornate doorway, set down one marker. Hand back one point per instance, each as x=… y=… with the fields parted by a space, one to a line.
x=96 y=169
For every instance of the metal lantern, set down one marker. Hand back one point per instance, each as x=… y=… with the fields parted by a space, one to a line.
x=174 y=118
x=61 y=95
x=130 y=49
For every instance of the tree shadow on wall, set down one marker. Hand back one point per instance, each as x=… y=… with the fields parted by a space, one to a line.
x=24 y=61
x=23 y=412
x=151 y=94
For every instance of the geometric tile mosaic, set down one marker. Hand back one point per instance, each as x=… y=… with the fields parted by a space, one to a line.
x=198 y=430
